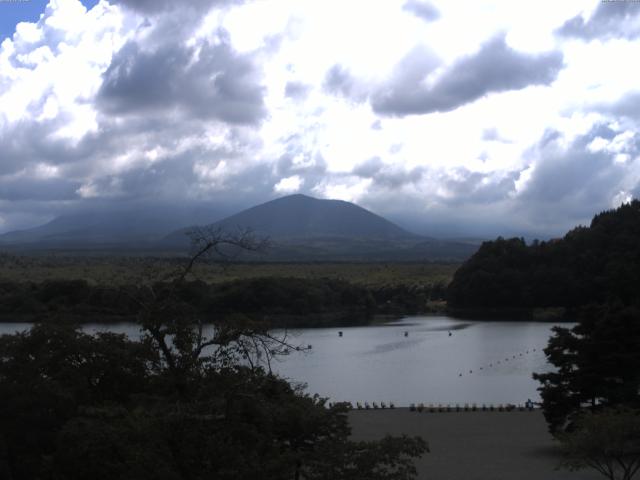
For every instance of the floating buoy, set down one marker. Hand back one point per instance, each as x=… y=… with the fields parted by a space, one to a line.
x=406 y=334
x=449 y=333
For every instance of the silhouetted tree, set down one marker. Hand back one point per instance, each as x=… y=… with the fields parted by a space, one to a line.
x=608 y=442
x=597 y=365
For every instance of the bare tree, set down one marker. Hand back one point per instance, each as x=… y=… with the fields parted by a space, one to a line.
x=187 y=339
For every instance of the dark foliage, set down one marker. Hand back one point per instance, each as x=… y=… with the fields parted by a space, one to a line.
x=598 y=264
x=597 y=365
x=269 y=297
x=404 y=299
x=279 y=301
x=77 y=406
x=182 y=403
x=607 y=442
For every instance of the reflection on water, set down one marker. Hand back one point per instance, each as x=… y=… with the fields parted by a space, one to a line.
x=387 y=347
x=418 y=359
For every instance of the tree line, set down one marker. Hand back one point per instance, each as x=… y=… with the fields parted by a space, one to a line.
x=278 y=301
x=598 y=264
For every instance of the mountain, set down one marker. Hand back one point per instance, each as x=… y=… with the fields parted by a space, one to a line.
x=301 y=228
x=306 y=228
x=138 y=227
x=302 y=217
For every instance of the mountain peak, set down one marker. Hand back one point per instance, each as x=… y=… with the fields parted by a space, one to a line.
x=302 y=216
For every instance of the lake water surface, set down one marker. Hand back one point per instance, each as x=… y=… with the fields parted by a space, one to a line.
x=481 y=362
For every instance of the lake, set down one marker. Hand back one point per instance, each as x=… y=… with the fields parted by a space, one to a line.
x=439 y=360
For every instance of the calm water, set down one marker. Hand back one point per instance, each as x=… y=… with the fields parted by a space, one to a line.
x=482 y=362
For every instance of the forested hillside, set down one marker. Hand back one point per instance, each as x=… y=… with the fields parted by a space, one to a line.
x=596 y=264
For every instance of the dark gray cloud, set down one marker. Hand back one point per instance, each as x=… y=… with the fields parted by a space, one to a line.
x=422 y=9
x=29 y=142
x=172 y=21
x=39 y=189
x=570 y=184
x=159 y=94
x=388 y=176
x=297 y=90
x=53 y=174
x=627 y=106
x=494 y=68
x=566 y=183
x=211 y=81
x=611 y=19
x=424 y=211
x=156 y=7
x=369 y=168
x=340 y=82
x=465 y=186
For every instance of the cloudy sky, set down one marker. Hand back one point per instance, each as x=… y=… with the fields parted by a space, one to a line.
x=452 y=118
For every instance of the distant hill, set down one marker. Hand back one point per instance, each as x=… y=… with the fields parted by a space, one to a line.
x=595 y=264
x=138 y=228
x=306 y=228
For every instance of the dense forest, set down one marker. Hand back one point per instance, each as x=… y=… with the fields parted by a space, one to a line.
x=598 y=264
x=275 y=301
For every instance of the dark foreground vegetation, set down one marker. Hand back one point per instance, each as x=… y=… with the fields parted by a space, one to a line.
x=177 y=404
x=591 y=400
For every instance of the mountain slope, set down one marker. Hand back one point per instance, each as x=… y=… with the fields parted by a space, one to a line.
x=138 y=226
x=303 y=228
x=300 y=228
x=302 y=217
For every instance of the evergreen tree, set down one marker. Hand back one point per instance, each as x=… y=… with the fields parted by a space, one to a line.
x=597 y=365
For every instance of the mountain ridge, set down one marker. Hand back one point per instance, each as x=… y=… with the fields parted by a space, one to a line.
x=301 y=216
x=300 y=227
x=305 y=228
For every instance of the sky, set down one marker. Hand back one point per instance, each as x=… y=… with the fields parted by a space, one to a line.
x=466 y=118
